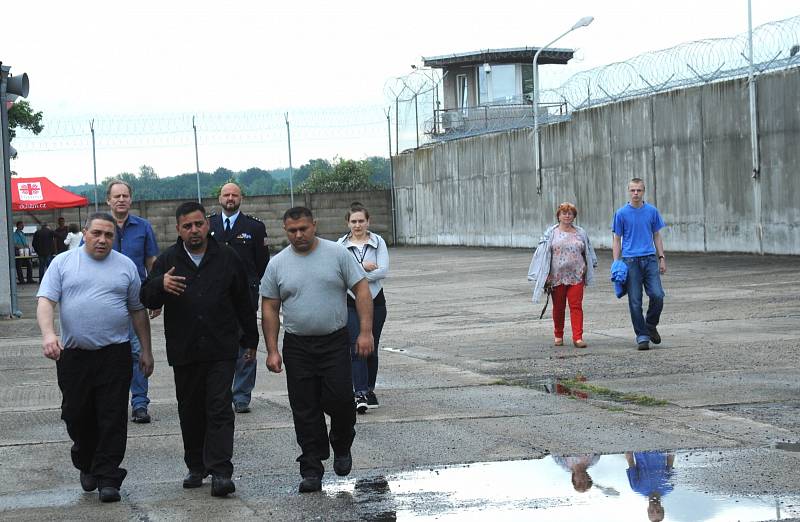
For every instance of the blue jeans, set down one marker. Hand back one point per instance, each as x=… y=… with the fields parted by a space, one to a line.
x=643 y=271
x=244 y=379
x=244 y=375
x=365 y=371
x=139 y=397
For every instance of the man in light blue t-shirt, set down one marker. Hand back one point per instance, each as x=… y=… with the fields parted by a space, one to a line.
x=638 y=243
x=97 y=290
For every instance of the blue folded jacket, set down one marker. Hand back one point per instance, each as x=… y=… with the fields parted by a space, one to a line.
x=619 y=274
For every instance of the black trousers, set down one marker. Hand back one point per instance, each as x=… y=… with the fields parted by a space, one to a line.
x=204 y=398
x=319 y=381
x=26 y=263
x=94 y=387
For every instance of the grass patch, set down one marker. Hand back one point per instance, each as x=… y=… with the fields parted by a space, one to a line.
x=605 y=393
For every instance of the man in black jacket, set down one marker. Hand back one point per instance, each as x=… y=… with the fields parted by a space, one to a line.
x=44 y=243
x=203 y=288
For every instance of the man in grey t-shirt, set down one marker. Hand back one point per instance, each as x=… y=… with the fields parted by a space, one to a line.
x=310 y=280
x=98 y=293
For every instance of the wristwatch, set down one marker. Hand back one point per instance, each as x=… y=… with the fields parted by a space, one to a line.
x=661 y=257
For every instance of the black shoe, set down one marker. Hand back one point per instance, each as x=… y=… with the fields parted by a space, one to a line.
x=644 y=345
x=221 y=486
x=310 y=484
x=361 y=403
x=88 y=482
x=109 y=494
x=194 y=479
x=372 y=400
x=140 y=416
x=241 y=407
x=343 y=464
x=654 y=336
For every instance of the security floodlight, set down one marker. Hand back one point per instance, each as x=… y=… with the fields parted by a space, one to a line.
x=583 y=22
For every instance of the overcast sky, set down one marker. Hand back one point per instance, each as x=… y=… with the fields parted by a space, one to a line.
x=316 y=60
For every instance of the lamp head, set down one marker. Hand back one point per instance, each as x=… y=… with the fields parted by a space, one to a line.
x=583 y=22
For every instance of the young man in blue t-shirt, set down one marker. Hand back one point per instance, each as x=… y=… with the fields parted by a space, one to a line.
x=638 y=243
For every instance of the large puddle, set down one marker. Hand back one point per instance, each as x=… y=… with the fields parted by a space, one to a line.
x=639 y=486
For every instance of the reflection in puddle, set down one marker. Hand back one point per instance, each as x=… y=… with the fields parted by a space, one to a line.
x=634 y=486
x=560 y=386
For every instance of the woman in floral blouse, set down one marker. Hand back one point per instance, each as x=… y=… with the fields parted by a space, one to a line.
x=564 y=261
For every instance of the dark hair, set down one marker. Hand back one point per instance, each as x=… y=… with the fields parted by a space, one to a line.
x=355 y=206
x=19 y=223
x=118 y=182
x=73 y=227
x=187 y=207
x=297 y=213
x=104 y=216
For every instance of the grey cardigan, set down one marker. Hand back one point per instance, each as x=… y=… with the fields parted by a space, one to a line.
x=540 y=263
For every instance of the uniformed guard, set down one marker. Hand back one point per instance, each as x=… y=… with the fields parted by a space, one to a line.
x=248 y=236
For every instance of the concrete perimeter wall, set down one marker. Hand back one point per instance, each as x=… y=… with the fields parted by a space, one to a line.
x=329 y=210
x=691 y=146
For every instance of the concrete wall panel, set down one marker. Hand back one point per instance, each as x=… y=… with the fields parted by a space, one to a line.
x=426 y=202
x=592 y=171
x=448 y=217
x=406 y=215
x=678 y=147
x=453 y=220
x=404 y=166
x=779 y=140
x=630 y=127
x=470 y=157
x=730 y=226
x=525 y=202
x=497 y=186
x=472 y=195
x=470 y=190
x=558 y=179
x=404 y=172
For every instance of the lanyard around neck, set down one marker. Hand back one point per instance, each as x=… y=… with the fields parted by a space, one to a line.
x=362 y=255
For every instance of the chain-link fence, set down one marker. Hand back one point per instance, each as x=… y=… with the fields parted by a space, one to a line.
x=776 y=45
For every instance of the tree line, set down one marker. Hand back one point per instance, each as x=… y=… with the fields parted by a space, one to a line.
x=318 y=175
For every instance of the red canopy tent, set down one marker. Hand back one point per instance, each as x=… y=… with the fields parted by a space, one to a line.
x=42 y=194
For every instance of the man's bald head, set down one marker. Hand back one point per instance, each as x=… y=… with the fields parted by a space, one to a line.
x=230 y=198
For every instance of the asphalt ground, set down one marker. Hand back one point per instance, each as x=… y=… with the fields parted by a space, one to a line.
x=464 y=368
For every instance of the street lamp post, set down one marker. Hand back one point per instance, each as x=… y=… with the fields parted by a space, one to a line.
x=10 y=88
x=583 y=22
